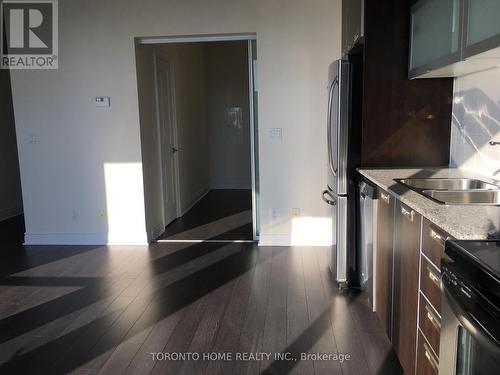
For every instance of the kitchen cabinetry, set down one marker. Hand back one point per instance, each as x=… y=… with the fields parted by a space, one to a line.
x=482 y=29
x=352 y=23
x=434 y=33
x=406 y=270
x=407 y=263
x=429 y=322
x=384 y=259
x=450 y=38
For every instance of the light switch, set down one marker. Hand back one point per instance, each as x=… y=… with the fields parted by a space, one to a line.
x=276 y=133
x=102 y=101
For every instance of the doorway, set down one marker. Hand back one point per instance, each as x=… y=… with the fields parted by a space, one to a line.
x=198 y=107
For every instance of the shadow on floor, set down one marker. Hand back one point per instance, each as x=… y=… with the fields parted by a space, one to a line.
x=220 y=215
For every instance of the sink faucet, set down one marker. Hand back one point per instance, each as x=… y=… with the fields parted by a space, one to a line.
x=494 y=143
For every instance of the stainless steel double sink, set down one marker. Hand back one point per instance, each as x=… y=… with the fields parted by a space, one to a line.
x=455 y=191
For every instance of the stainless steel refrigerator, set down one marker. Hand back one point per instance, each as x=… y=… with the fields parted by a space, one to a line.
x=344 y=147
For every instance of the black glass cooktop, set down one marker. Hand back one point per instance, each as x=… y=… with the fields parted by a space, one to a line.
x=484 y=253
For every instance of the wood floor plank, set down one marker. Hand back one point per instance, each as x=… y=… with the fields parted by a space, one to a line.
x=298 y=336
x=321 y=330
x=346 y=337
x=229 y=333
x=208 y=327
x=143 y=362
x=275 y=326
x=252 y=332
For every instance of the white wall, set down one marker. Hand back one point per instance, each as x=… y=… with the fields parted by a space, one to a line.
x=476 y=122
x=83 y=183
x=227 y=86
x=10 y=186
x=296 y=41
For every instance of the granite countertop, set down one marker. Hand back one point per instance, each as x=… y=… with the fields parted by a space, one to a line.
x=463 y=222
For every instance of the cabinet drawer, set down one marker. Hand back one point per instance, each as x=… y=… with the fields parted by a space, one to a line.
x=429 y=323
x=430 y=279
x=433 y=240
x=427 y=363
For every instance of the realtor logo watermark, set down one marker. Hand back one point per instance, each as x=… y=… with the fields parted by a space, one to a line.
x=30 y=37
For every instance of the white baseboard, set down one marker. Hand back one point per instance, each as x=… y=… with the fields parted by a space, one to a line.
x=286 y=240
x=198 y=197
x=85 y=239
x=275 y=240
x=231 y=186
x=9 y=213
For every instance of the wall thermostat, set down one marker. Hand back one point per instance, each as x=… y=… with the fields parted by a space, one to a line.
x=102 y=101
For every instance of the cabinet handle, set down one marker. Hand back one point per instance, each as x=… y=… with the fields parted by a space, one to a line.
x=385 y=197
x=437 y=237
x=433 y=277
x=432 y=318
x=430 y=357
x=408 y=214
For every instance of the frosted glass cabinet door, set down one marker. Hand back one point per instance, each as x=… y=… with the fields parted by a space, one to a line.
x=435 y=31
x=483 y=20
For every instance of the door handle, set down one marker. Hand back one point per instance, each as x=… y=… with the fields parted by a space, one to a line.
x=433 y=319
x=385 y=197
x=408 y=214
x=326 y=200
x=174 y=150
x=329 y=125
x=430 y=357
x=433 y=277
x=437 y=237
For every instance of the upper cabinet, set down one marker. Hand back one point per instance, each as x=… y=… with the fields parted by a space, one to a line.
x=434 y=33
x=450 y=38
x=352 y=24
x=482 y=28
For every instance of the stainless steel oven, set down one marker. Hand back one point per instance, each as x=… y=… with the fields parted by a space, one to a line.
x=470 y=328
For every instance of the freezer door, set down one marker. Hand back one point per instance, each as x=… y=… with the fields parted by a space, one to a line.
x=338 y=125
x=338 y=256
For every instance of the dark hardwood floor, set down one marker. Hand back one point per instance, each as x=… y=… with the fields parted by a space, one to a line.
x=89 y=310
x=220 y=215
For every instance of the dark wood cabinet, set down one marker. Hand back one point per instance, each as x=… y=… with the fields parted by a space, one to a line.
x=352 y=23
x=433 y=239
x=384 y=260
x=429 y=323
x=427 y=363
x=406 y=271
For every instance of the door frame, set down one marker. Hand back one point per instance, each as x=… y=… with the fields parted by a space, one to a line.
x=250 y=38
x=160 y=131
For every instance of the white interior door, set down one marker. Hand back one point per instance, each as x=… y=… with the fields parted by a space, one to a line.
x=168 y=147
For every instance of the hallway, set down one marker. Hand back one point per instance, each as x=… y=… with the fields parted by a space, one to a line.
x=220 y=215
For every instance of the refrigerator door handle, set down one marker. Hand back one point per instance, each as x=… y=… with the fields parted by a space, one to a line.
x=326 y=200
x=330 y=106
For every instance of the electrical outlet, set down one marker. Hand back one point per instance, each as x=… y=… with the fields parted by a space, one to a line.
x=33 y=140
x=276 y=133
x=295 y=212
